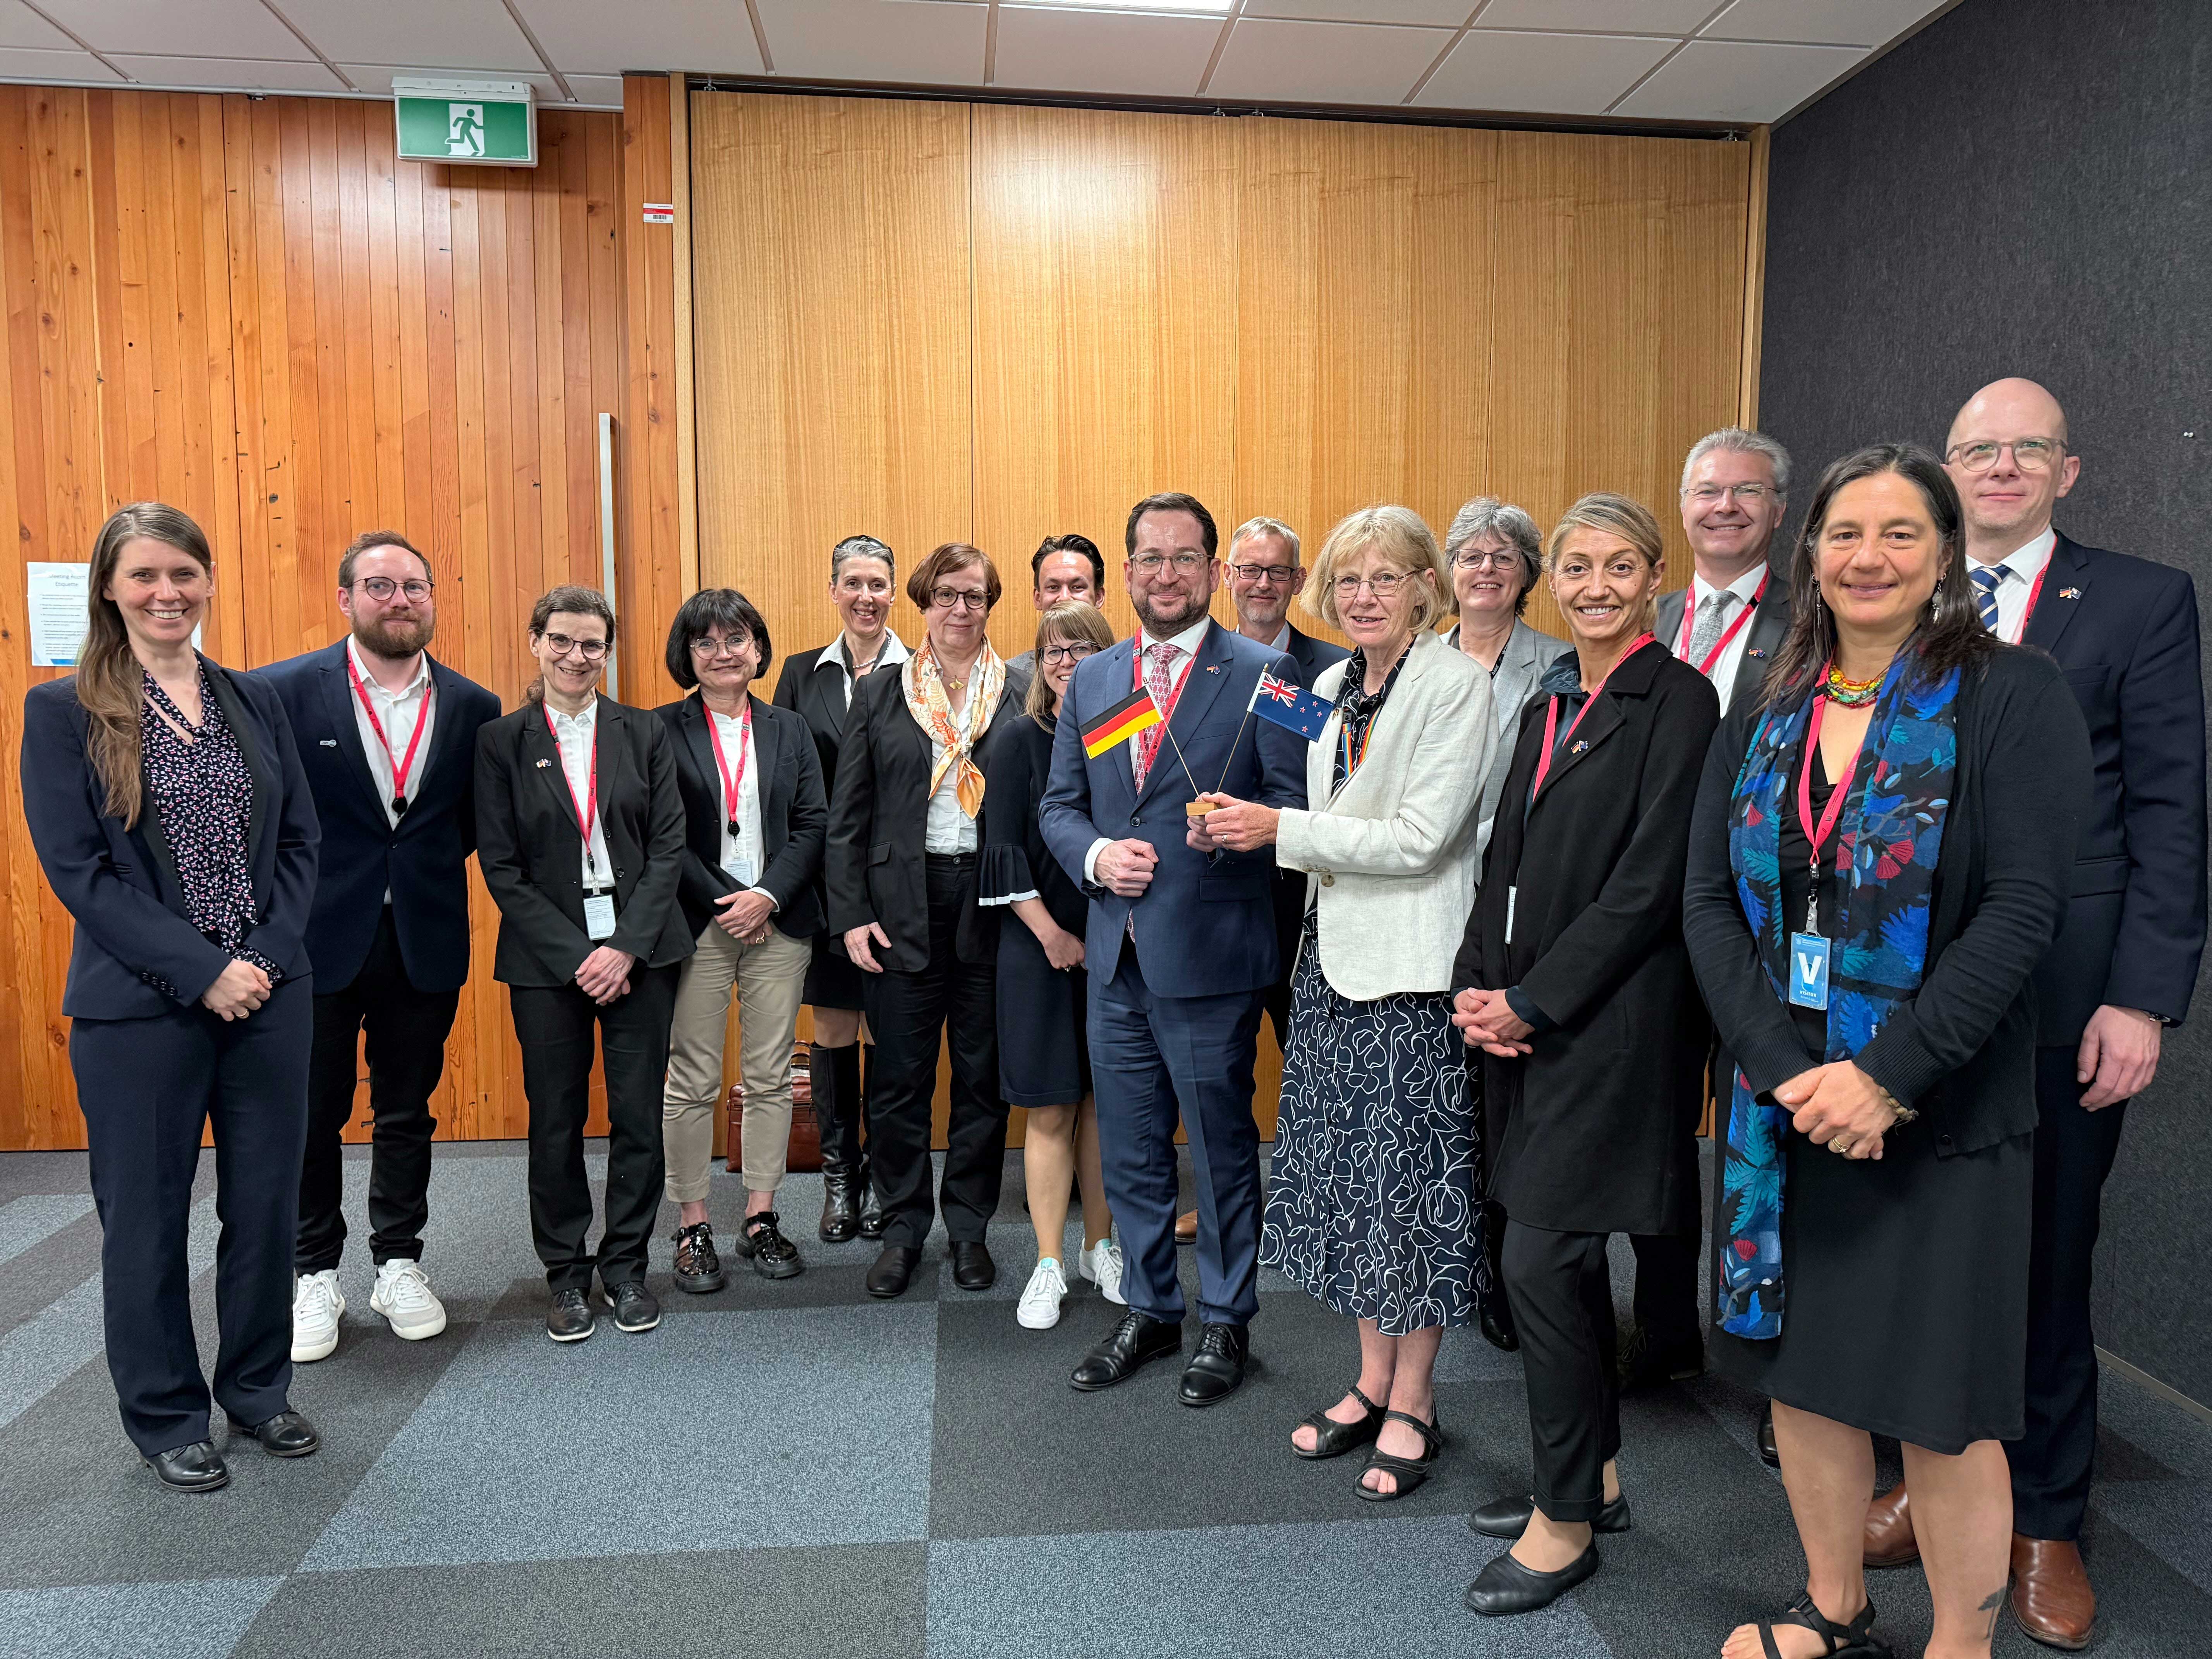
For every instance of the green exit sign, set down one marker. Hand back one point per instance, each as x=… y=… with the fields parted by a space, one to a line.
x=467 y=122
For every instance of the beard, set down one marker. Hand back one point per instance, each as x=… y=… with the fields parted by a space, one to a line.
x=401 y=637
x=1193 y=607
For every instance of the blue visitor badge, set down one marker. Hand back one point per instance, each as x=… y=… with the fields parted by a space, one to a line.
x=1809 y=971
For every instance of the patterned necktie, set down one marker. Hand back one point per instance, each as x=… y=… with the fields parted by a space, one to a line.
x=1712 y=611
x=1159 y=680
x=1986 y=578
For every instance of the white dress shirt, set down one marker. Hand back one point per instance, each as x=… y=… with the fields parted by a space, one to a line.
x=577 y=735
x=947 y=829
x=832 y=655
x=399 y=713
x=1722 y=673
x=741 y=856
x=2021 y=567
x=1188 y=643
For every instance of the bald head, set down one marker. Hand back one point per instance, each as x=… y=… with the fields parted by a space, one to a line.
x=2008 y=455
x=2012 y=402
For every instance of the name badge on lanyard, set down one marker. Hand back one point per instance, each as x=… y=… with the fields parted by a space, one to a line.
x=598 y=916
x=1809 y=950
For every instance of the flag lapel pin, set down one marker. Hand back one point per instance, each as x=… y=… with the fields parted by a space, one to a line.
x=2070 y=593
x=544 y=764
x=1581 y=746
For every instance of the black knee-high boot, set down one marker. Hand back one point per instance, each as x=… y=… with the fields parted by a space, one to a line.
x=872 y=1207
x=835 y=1076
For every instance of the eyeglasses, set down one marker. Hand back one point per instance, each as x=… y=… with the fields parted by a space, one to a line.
x=1073 y=651
x=948 y=598
x=1504 y=559
x=1256 y=575
x=1186 y=564
x=560 y=645
x=2028 y=454
x=381 y=588
x=1382 y=584
x=1747 y=494
x=730 y=645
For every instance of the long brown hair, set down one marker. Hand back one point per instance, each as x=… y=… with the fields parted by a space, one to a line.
x=108 y=676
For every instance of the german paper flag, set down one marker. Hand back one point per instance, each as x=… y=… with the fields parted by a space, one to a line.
x=1135 y=713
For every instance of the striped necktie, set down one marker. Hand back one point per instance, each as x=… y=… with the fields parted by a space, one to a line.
x=1986 y=578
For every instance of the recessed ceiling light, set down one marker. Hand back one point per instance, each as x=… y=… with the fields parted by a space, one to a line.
x=1209 y=8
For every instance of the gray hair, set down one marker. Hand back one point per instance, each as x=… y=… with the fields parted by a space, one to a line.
x=861 y=547
x=1744 y=443
x=1252 y=527
x=1486 y=515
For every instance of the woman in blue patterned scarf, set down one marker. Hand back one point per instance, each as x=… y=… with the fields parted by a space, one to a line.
x=1880 y=855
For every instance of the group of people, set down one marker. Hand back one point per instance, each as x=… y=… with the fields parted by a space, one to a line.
x=1795 y=843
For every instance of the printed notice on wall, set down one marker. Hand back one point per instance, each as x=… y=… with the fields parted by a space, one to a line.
x=56 y=595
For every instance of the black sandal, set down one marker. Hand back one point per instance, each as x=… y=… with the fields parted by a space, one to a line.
x=1333 y=1438
x=1855 y=1640
x=1411 y=1472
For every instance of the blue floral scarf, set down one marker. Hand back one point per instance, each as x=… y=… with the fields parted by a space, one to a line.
x=1891 y=829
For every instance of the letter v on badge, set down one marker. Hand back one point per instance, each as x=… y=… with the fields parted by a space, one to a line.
x=1809 y=971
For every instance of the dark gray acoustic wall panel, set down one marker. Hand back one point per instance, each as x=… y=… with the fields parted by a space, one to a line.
x=2026 y=188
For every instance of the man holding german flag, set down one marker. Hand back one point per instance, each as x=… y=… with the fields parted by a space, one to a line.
x=1180 y=942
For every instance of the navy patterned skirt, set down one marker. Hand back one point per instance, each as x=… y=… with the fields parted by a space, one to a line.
x=1374 y=1195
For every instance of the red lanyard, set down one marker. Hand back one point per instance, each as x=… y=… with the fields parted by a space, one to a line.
x=401 y=769
x=1722 y=643
x=1551 y=715
x=1819 y=835
x=732 y=788
x=587 y=810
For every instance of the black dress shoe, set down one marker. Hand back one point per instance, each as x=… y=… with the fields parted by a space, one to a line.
x=1769 y=1453
x=772 y=1256
x=894 y=1270
x=873 y=1218
x=1647 y=1361
x=1135 y=1341
x=698 y=1265
x=1506 y=1587
x=1509 y=1517
x=636 y=1308
x=841 y=1205
x=196 y=1467
x=1497 y=1326
x=287 y=1434
x=571 y=1318
x=1216 y=1369
x=972 y=1267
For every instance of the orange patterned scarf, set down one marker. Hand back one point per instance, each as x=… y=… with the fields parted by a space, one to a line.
x=927 y=701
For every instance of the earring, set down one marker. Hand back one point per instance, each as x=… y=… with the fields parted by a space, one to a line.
x=1934 y=602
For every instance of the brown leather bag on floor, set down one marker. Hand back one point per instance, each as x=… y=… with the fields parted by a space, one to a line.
x=804 y=1155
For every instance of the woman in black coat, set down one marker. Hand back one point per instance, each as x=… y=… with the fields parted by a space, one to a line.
x=189 y=993
x=1898 y=813
x=1593 y=1038
x=902 y=878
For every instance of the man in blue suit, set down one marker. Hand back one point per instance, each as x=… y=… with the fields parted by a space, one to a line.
x=388 y=738
x=1181 y=941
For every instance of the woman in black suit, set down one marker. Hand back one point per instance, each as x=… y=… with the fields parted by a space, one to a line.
x=580 y=835
x=1592 y=1035
x=190 y=994
x=1899 y=812
x=902 y=870
x=818 y=686
x=754 y=816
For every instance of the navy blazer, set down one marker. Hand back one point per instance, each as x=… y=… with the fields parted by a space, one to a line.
x=793 y=808
x=423 y=863
x=1312 y=655
x=2124 y=633
x=120 y=885
x=1206 y=923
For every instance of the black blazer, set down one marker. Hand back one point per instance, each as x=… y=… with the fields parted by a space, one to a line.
x=2123 y=632
x=424 y=863
x=120 y=885
x=1594 y=1131
x=1770 y=626
x=1015 y=857
x=1962 y=1051
x=531 y=851
x=874 y=865
x=794 y=815
x=1312 y=655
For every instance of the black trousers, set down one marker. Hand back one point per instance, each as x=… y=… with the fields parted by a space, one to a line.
x=146 y=1087
x=909 y=1013
x=1562 y=1303
x=1666 y=1286
x=2052 y=1461
x=556 y=1024
x=406 y=1053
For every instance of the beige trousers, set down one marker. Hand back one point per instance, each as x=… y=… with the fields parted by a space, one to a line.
x=769 y=979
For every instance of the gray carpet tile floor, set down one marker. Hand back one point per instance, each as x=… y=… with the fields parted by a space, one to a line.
x=794 y=1469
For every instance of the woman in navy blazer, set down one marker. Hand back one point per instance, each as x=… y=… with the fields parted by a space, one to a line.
x=190 y=992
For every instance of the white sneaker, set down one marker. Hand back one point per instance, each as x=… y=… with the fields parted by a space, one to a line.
x=316 y=1306
x=1039 y=1309
x=1102 y=1265
x=404 y=1298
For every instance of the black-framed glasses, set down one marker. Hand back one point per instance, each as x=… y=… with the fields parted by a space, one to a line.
x=560 y=645
x=1254 y=574
x=730 y=645
x=2028 y=454
x=946 y=598
x=1072 y=651
x=381 y=588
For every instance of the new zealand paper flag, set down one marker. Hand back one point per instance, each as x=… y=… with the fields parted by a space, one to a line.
x=1283 y=702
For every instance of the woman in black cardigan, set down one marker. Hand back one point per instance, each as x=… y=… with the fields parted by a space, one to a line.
x=1593 y=1038
x=1880 y=854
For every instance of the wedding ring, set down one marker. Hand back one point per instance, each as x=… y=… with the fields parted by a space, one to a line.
x=1841 y=1147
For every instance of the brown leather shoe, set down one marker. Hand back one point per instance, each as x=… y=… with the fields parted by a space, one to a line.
x=1186 y=1227
x=2050 y=1593
x=1888 y=1540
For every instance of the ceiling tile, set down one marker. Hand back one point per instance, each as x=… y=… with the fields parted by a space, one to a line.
x=1322 y=63
x=21 y=26
x=76 y=67
x=707 y=36
x=935 y=44
x=1725 y=81
x=1841 y=23
x=239 y=28
x=471 y=34
x=1448 y=13
x=228 y=74
x=1674 y=17
x=1540 y=74
x=597 y=91
x=1060 y=51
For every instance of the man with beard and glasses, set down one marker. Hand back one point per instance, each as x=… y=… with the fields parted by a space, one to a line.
x=388 y=738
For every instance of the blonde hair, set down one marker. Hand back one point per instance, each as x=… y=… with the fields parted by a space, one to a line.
x=1613 y=515
x=1405 y=543
x=1068 y=620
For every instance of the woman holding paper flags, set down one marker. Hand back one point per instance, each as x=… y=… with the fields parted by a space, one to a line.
x=1880 y=853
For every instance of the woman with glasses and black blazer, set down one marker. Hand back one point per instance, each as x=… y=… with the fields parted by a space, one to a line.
x=579 y=834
